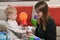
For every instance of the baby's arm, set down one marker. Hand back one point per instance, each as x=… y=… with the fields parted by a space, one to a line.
x=14 y=28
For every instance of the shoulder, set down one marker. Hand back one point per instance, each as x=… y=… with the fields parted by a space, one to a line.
x=10 y=22
x=50 y=20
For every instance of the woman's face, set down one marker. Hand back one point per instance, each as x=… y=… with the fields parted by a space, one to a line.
x=39 y=14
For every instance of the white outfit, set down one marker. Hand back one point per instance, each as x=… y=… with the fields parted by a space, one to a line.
x=12 y=25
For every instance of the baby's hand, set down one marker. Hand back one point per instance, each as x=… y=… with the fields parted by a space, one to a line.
x=27 y=36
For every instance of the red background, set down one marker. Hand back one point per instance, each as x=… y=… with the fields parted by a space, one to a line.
x=28 y=10
x=55 y=14
x=53 y=11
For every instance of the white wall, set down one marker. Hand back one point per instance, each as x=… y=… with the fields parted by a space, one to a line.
x=54 y=2
x=3 y=5
x=26 y=3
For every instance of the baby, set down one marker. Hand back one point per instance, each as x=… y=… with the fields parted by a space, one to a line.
x=12 y=25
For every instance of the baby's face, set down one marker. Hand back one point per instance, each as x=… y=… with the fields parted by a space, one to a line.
x=13 y=16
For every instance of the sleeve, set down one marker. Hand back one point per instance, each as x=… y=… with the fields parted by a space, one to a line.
x=14 y=28
x=51 y=32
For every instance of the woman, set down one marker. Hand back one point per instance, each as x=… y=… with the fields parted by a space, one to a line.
x=46 y=28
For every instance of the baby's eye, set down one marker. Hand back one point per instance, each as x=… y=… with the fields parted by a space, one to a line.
x=10 y=12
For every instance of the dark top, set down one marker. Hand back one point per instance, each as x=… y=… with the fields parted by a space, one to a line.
x=50 y=33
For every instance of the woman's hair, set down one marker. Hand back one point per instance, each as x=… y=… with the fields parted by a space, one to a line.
x=42 y=6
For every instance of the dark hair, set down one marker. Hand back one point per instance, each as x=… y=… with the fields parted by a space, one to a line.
x=42 y=6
